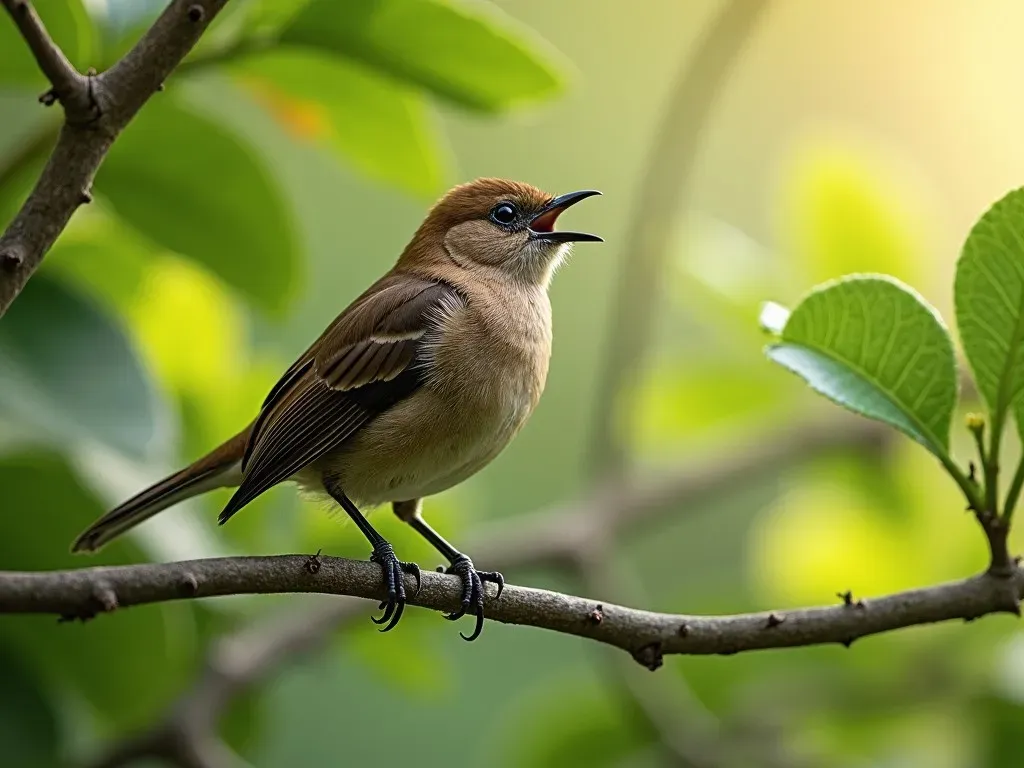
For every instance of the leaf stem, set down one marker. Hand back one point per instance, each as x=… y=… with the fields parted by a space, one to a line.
x=969 y=488
x=1014 y=493
x=991 y=464
x=976 y=426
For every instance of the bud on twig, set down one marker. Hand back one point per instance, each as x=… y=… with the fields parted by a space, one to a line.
x=975 y=423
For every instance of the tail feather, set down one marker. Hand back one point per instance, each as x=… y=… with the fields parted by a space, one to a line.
x=218 y=469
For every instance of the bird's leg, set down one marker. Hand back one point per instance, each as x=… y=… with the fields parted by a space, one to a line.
x=384 y=555
x=472 y=579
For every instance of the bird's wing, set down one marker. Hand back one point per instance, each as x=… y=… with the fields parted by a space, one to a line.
x=362 y=364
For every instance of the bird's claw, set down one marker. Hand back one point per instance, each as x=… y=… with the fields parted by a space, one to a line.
x=394 y=580
x=473 y=592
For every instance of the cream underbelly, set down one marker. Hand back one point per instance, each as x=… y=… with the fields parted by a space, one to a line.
x=422 y=446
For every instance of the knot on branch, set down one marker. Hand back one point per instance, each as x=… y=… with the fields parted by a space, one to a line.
x=77 y=94
x=11 y=257
x=102 y=599
x=188 y=584
x=848 y=601
x=314 y=563
x=649 y=656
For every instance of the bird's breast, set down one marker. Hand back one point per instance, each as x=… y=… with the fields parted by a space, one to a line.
x=483 y=376
x=492 y=355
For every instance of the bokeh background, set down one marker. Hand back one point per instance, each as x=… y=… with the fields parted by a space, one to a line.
x=747 y=150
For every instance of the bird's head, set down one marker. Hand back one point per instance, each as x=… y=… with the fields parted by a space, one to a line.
x=493 y=225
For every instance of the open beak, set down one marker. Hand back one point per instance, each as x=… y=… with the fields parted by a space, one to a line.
x=542 y=225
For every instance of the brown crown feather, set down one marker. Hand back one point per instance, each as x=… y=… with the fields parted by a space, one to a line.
x=473 y=200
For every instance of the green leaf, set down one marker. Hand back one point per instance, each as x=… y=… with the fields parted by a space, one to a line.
x=126 y=664
x=68 y=24
x=70 y=375
x=195 y=187
x=874 y=346
x=384 y=129
x=989 y=297
x=469 y=53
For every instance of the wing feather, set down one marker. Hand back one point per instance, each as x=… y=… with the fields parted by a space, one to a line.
x=361 y=365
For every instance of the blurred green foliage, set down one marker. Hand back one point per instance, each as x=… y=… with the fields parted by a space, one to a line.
x=279 y=172
x=59 y=349
x=147 y=169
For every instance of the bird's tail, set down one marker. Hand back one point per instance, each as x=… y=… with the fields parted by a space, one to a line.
x=218 y=469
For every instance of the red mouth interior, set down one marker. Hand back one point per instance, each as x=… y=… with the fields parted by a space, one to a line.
x=546 y=221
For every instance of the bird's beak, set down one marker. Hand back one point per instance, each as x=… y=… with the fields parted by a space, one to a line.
x=542 y=225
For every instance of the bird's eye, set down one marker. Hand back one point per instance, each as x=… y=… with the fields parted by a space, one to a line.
x=503 y=213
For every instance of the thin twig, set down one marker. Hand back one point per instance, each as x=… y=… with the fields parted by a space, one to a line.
x=1013 y=495
x=69 y=87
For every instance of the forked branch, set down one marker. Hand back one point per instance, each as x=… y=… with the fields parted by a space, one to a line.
x=97 y=108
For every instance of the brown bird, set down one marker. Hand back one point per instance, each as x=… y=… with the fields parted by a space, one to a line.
x=417 y=385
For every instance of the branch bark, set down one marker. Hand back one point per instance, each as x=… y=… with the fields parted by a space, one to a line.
x=647 y=635
x=96 y=108
x=551 y=538
x=69 y=87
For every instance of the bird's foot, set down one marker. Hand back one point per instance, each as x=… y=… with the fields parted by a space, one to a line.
x=394 y=580
x=473 y=592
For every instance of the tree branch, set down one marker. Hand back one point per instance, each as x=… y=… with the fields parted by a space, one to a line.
x=552 y=538
x=549 y=537
x=560 y=536
x=646 y=635
x=69 y=87
x=97 y=108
